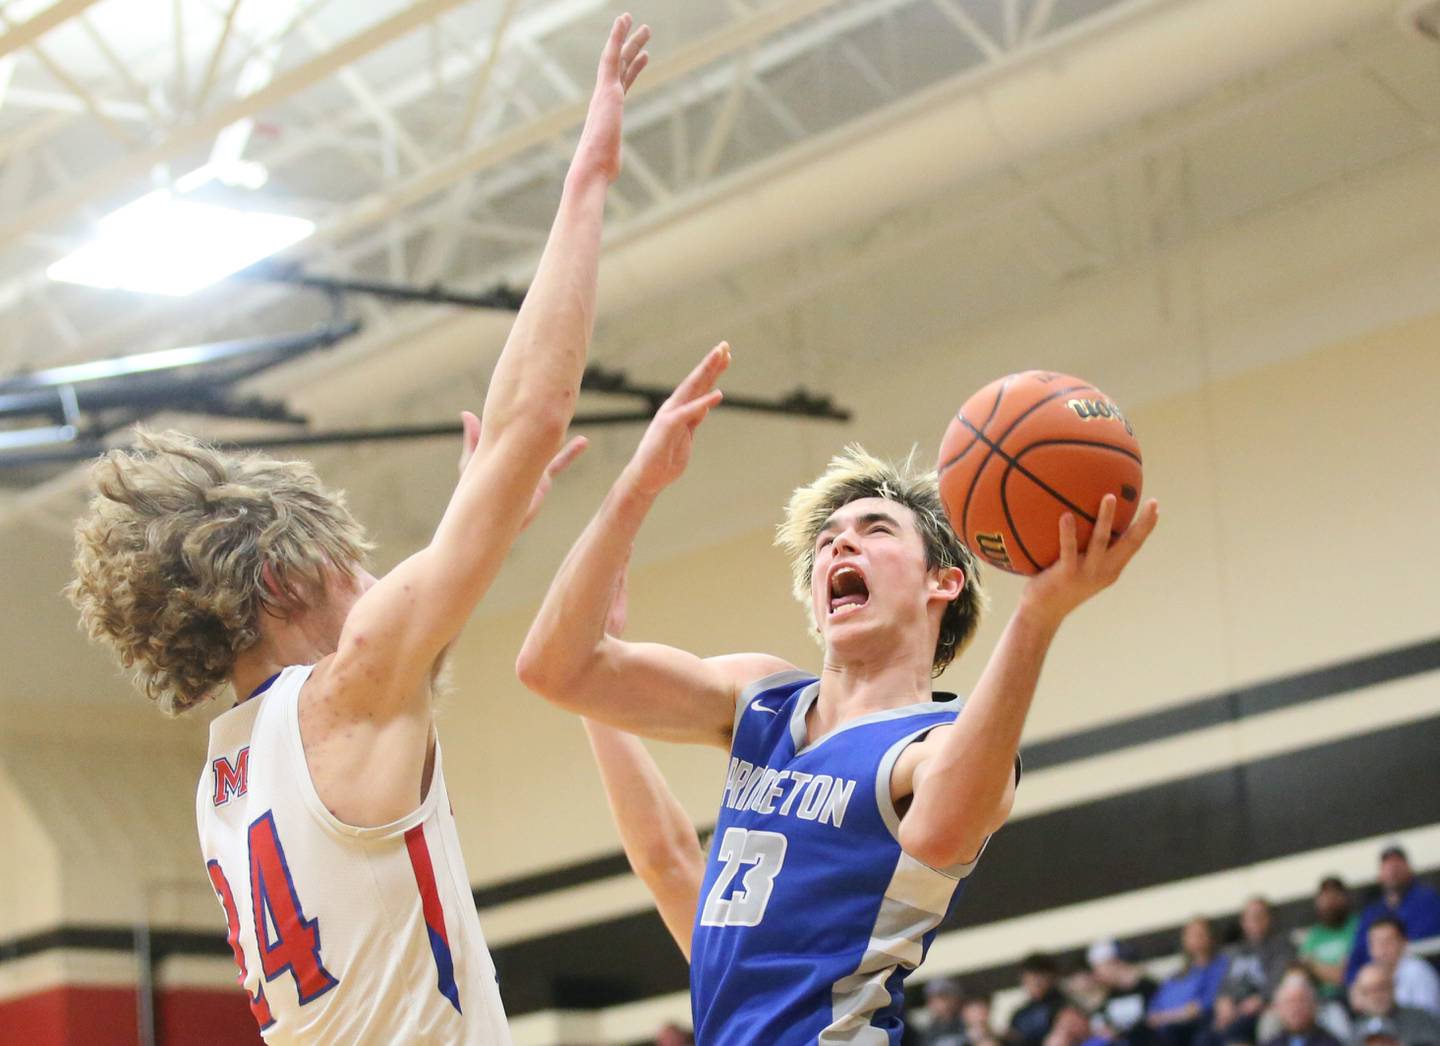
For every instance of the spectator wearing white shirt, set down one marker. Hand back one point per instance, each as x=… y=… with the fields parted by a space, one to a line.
x=1416 y=983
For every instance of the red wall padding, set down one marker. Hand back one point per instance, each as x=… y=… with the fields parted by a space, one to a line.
x=81 y=1016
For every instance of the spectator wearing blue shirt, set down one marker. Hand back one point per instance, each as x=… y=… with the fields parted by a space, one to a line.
x=1402 y=896
x=1040 y=981
x=1183 y=1005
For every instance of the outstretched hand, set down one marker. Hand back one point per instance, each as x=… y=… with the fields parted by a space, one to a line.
x=1075 y=577
x=470 y=425
x=621 y=62
x=664 y=450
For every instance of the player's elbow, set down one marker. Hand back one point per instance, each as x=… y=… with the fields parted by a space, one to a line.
x=538 y=428
x=536 y=670
x=942 y=846
x=542 y=669
x=668 y=862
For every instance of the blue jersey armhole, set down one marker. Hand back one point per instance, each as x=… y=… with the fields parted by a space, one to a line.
x=760 y=686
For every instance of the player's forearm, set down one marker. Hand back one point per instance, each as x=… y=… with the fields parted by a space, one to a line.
x=564 y=641
x=660 y=841
x=537 y=378
x=958 y=801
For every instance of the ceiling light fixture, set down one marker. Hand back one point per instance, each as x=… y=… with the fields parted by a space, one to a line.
x=164 y=244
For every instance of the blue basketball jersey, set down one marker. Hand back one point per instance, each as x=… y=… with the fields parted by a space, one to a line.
x=810 y=915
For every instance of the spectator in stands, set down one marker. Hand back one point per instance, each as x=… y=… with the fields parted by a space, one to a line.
x=943 y=1004
x=1373 y=995
x=1039 y=980
x=1414 y=903
x=1377 y=1031
x=1416 y=983
x=1183 y=1004
x=975 y=1013
x=1256 y=965
x=1296 y=1006
x=1083 y=988
x=1070 y=1028
x=674 y=1035
x=1327 y=944
x=1128 y=992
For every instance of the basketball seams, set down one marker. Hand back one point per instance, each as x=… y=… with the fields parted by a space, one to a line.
x=960 y=416
x=1010 y=520
x=980 y=437
x=994 y=444
x=1072 y=442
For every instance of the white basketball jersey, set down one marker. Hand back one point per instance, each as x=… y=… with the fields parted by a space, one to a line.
x=342 y=934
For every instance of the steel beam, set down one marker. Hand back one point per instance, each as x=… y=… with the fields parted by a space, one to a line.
x=26 y=33
x=114 y=176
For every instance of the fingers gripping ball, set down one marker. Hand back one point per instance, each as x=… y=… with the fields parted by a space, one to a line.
x=1025 y=450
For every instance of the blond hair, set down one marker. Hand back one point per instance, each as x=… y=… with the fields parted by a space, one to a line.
x=171 y=559
x=854 y=474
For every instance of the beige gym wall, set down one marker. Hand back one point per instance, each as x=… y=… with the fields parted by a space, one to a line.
x=1289 y=538
x=1282 y=546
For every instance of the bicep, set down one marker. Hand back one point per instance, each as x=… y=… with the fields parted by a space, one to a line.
x=669 y=694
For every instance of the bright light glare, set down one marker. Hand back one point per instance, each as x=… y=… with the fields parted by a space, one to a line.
x=161 y=244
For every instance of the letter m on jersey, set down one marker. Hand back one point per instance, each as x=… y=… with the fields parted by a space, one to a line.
x=230 y=778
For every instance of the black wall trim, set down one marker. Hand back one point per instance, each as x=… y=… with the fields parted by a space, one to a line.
x=1257 y=699
x=1211 y=710
x=551 y=879
x=1381 y=782
x=1384 y=781
x=115 y=939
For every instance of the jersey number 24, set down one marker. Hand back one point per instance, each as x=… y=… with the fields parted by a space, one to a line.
x=765 y=853
x=295 y=948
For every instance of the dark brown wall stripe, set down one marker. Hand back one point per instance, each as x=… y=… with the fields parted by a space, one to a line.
x=1211 y=710
x=1383 y=781
x=1386 y=781
x=1214 y=709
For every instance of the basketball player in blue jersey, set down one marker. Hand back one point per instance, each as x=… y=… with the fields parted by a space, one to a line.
x=855 y=804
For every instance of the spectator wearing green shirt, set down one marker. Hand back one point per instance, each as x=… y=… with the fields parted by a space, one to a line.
x=1327 y=944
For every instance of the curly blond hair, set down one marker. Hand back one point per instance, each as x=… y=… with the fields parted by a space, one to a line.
x=854 y=474
x=170 y=560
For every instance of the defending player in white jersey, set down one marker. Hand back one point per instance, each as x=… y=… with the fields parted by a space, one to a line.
x=323 y=815
x=855 y=803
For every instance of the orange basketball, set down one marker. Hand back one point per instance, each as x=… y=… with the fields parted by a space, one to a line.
x=1025 y=450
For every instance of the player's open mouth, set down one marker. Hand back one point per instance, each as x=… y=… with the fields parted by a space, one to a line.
x=848 y=591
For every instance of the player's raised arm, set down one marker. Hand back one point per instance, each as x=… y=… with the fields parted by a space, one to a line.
x=400 y=626
x=647 y=688
x=963 y=777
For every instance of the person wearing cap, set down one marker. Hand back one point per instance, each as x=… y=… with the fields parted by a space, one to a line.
x=1326 y=947
x=1257 y=963
x=1416 y=983
x=1128 y=992
x=1373 y=995
x=1296 y=1006
x=1414 y=903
